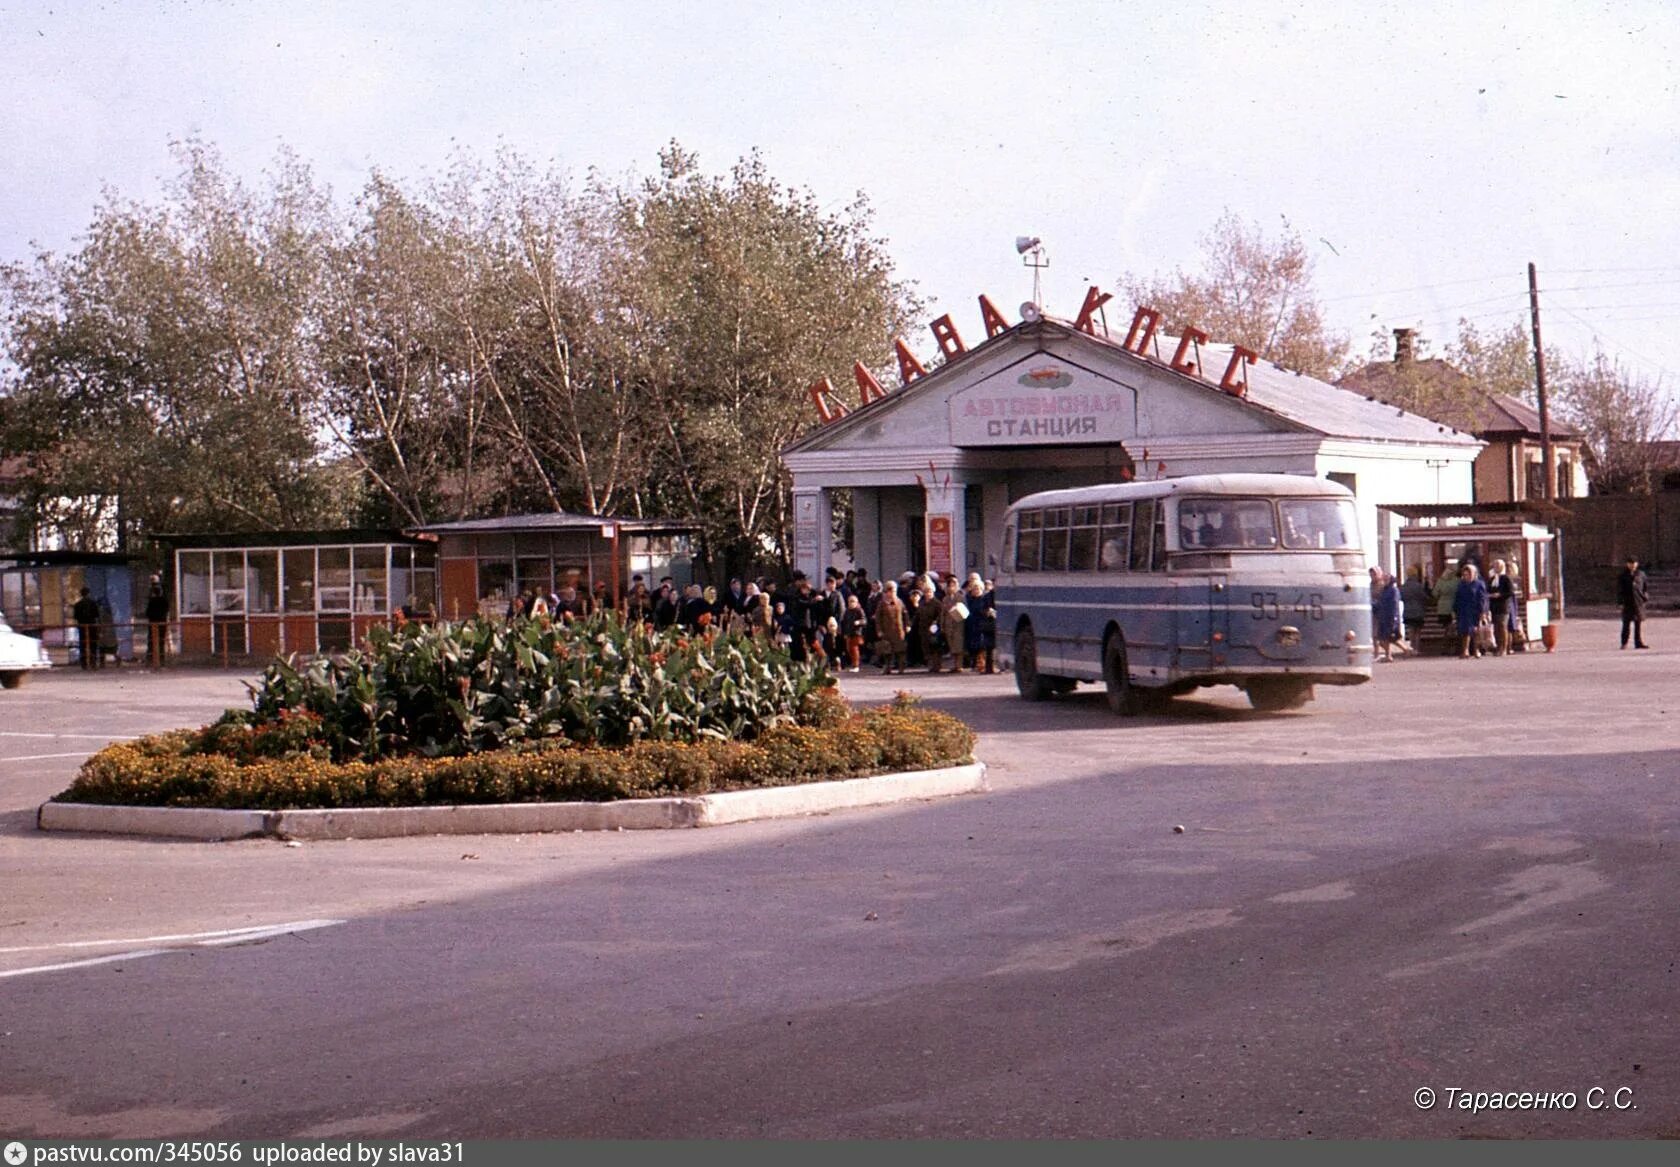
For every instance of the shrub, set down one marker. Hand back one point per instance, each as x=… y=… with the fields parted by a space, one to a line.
x=454 y=689
x=176 y=769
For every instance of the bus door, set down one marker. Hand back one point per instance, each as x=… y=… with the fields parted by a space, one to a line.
x=1219 y=620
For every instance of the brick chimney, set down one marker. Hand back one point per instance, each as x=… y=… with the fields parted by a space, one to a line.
x=1405 y=345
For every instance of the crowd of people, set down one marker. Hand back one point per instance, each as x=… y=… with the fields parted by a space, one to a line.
x=846 y=619
x=1480 y=616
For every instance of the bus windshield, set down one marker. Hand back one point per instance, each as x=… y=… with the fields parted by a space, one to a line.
x=1226 y=523
x=1319 y=524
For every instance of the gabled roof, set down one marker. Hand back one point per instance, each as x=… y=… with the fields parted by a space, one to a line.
x=1299 y=401
x=1503 y=415
x=1495 y=414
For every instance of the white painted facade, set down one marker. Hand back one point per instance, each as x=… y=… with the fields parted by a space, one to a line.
x=1044 y=406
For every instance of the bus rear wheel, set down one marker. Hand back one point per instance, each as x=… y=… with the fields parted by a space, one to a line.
x=1273 y=696
x=1032 y=684
x=1123 y=697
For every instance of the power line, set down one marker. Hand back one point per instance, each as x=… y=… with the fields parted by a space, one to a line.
x=1594 y=271
x=1599 y=334
x=1404 y=291
x=1619 y=307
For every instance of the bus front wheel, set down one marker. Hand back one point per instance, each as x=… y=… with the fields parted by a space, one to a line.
x=1273 y=696
x=1123 y=696
x=1033 y=685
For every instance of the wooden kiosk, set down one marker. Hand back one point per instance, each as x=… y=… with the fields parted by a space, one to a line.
x=1438 y=537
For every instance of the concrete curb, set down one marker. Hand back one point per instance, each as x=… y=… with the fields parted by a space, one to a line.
x=704 y=810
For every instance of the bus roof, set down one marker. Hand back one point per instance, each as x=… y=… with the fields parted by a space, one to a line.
x=1265 y=484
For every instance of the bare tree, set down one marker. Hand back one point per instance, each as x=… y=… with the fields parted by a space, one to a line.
x=1251 y=291
x=1623 y=416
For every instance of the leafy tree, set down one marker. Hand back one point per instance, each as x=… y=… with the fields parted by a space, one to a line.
x=1502 y=361
x=551 y=343
x=495 y=340
x=736 y=294
x=164 y=364
x=1252 y=291
x=400 y=396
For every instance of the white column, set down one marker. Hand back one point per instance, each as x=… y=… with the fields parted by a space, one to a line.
x=813 y=530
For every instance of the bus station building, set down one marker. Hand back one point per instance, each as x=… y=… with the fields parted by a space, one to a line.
x=932 y=466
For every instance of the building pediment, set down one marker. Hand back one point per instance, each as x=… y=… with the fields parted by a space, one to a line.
x=1044 y=384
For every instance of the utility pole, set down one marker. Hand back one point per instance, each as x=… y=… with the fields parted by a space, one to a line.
x=1540 y=386
x=1548 y=474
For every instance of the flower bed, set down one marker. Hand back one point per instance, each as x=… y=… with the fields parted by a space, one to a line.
x=523 y=711
x=174 y=769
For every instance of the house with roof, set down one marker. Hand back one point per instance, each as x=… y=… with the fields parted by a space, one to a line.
x=1510 y=467
x=931 y=467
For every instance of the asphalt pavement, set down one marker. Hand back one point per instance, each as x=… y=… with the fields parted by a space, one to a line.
x=1452 y=879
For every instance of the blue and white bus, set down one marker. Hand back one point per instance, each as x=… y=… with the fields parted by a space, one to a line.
x=1158 y=588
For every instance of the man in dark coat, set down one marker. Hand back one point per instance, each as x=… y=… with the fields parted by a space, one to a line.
x=157 y=624
x=802 y=611
x=735 y=599
x=86 y=613
x=1633 y=592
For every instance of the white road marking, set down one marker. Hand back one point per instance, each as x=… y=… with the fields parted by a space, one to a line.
x=221 y=939
x=222 y=936
x=43 y=968
x=44 y=757
x=104 y=737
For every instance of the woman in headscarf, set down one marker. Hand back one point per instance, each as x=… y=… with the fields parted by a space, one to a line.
x=1470 y=605
x=980 y=625
x=889 y=630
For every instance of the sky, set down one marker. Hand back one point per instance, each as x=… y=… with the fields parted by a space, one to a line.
x=1426 y=153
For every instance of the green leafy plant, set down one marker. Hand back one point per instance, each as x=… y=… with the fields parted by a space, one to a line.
x=480 y=685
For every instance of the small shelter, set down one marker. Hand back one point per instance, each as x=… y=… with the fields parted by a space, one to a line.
x=267 y=592
x=1437 y=539
x=485 y=563
x=38 y=589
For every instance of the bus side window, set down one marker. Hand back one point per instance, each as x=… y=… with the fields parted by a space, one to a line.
x=1159 y=560
x=1082 y=544
x=1143 y=525
x=1027 y=540
x=1056 y=539
x=1116 y=536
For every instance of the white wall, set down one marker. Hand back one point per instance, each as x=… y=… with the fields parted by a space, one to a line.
x=1383 y=479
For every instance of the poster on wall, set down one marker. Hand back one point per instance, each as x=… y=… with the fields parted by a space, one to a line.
x=939 y=545
x=805 y=528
